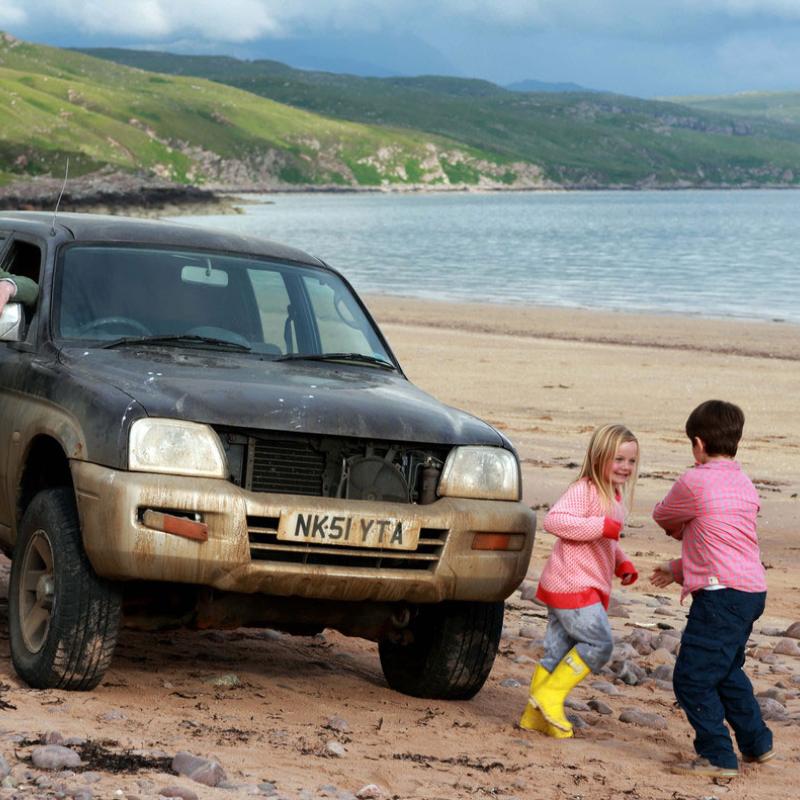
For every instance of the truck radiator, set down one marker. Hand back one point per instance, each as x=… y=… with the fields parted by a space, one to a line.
x=290 y=467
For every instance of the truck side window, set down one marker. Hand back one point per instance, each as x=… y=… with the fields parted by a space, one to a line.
x=23 y=258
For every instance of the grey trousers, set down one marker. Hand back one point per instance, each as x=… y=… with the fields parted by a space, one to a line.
x=586 y=629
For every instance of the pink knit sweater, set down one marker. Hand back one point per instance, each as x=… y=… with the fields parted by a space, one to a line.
x=587 y=553
x=712 y=509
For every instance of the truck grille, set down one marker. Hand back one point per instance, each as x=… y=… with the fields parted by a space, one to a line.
x=282 y=462
x=265 y=546
x=291 y=467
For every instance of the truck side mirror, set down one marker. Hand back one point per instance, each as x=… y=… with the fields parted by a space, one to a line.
x=11 y=323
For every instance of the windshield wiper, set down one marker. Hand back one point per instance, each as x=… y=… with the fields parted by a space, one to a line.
x=178 y=339
x=359 y=358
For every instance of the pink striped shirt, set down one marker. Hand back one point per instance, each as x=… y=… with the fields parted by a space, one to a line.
x=586 y=554
x=713 y=509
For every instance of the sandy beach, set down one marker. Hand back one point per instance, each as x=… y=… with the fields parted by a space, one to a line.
x=545 y=377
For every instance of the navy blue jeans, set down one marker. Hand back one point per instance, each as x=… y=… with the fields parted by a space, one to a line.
x=709 y=681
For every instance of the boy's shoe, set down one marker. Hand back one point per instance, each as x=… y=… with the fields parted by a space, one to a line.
x=762 y=759
x=702 y=766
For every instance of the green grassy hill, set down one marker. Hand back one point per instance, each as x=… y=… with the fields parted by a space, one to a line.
x=783 y=107
x=57 y=103
x=211 y=121
x=578 y=139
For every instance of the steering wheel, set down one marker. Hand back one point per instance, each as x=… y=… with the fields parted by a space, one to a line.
x=107 y=322
x=344 y=312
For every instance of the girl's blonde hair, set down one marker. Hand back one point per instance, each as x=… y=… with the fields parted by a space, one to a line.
x=603 y=446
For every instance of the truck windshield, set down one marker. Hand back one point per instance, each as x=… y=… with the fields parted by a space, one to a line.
x=105 y=294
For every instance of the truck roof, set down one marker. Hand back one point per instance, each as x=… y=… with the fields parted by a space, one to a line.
x=108 y=228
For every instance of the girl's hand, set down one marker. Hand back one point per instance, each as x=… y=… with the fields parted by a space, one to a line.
x=662 y=576
x=626 y=572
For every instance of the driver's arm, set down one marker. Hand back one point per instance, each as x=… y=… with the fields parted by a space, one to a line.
x=22 y=290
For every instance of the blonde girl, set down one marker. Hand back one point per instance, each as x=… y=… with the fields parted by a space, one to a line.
x=576 y=581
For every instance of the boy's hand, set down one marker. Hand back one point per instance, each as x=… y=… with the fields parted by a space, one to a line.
x=662 y=576
x=675 y=533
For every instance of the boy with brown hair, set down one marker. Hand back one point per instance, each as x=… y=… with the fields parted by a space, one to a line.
x=711 y=509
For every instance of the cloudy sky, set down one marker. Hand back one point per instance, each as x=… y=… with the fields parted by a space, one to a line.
x=640 y=47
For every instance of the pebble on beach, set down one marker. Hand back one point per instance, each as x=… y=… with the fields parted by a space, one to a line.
x=180 y=792
x=334 y=749
x=370 y=792
x=645 y=719
x=336 y=723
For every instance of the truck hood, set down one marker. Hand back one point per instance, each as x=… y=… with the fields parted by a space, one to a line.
x=243 y=391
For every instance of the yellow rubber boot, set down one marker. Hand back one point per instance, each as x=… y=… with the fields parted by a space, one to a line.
x=532 y=719
x=549 y=696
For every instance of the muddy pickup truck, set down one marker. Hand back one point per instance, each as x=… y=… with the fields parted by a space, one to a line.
x=206 y=430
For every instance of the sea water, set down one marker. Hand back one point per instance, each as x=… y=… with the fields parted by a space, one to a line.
x=707 y=253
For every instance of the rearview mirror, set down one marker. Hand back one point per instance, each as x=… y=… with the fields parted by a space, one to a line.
x=205 y=276
x=11 y=323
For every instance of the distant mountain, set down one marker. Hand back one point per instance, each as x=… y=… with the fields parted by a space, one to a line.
x=543 y=86
x=575 y=139
x=777 y=106
x=366 y=55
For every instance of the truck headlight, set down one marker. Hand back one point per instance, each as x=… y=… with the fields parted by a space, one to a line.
x=484 y=473
x=176 y=448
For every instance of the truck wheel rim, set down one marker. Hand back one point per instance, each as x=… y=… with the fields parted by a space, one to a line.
x=36 y=592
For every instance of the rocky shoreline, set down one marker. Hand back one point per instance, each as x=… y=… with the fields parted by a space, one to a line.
x=146 y=196
x=115 y=194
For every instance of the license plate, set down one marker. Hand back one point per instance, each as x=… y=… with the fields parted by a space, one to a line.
x=349 y=530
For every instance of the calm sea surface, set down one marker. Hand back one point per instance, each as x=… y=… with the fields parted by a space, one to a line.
x=712 y=253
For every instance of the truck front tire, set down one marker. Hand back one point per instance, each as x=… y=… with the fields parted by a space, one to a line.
x=63 y=618
x=450 y=653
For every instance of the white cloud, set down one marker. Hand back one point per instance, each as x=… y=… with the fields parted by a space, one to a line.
x=784 y=9
x=217 y=20
x=245 y=20
x=225 y=25
x=11 y=13
x=221 y=20
x=662 y=18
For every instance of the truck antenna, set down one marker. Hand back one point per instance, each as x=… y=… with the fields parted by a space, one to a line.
x=58 y=202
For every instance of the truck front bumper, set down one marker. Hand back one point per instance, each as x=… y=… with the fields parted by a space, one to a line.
x=243 y=553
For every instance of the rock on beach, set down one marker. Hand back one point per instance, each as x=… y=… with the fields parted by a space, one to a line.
x=787 y=647
x=772 y=709
x=793 y=631
x=54 y=756
x=207 y=771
